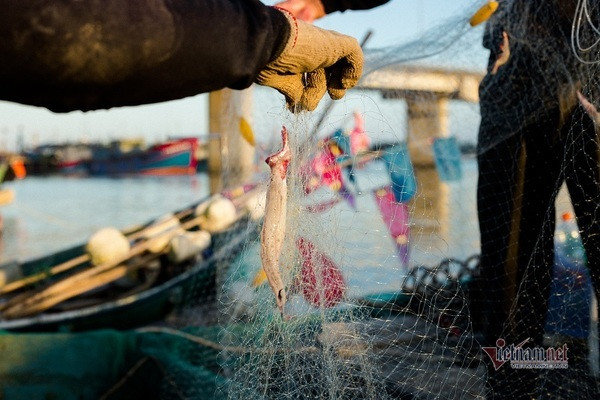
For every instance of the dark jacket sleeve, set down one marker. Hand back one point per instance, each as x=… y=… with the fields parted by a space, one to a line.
x=70 y=54
x=343 y=5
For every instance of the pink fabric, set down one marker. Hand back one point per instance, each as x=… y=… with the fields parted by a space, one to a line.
x=324 y=168
x=323 y=284
x=359 y=141
x=396 y=217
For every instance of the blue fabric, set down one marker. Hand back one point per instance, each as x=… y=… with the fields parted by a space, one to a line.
x=447 y=159
x=402 y=176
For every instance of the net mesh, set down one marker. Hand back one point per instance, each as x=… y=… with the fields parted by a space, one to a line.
x=430 y=248
x=438 y=260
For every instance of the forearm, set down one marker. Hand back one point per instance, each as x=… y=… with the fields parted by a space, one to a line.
x=104 y=53
x=343 y=5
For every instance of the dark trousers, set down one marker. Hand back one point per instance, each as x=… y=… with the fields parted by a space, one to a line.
x=522 y=164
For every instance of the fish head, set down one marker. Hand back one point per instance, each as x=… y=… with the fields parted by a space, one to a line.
x=280 y=160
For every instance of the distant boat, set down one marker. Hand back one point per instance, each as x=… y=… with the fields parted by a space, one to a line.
x=66 y=159
x=177 y=156
x=174 y=157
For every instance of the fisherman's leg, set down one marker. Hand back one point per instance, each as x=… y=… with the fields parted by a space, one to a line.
x=495 y=189
x=532 y=243
x=519 y=259
x=498 y=174
x=533 y=236
x=499 y=146
x=534 y=231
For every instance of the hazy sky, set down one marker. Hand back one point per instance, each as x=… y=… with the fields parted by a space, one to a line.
x=393 y=23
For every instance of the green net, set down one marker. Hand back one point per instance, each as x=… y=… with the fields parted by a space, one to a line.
x=429 y=263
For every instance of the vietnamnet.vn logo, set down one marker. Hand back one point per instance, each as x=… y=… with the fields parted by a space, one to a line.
x=527 y=358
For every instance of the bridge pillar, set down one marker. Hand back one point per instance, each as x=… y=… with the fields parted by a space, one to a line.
x=427 y=120
x=231 y=157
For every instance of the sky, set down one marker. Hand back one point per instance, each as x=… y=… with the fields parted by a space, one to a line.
x=392 y=24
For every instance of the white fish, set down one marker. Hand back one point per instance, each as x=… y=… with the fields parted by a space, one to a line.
x=273 y=229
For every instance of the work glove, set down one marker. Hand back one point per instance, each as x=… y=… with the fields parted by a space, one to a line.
x=313 y=61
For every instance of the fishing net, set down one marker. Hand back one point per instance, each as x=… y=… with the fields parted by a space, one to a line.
x=431 y=249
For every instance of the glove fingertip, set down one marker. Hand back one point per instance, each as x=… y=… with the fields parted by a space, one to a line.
x=309 y=104
x=349 y=83
x=336 y=94
x=289 y=85
x=297 y=106
x=316 y=86
x=352 y=74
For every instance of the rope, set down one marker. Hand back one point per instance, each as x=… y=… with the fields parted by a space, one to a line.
x=583 y=17
x=216 y=346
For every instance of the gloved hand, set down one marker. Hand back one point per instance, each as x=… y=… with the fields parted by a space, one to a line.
x=313 y=61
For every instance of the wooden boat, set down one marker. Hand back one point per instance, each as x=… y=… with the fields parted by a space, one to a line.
x=67 y=159
x=165 y=285
x=174 y=157
x=177 y=156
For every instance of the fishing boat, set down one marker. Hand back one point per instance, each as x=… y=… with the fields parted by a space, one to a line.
x=176 y=156
x=66 y=159
x=154 y=285
x=173 y=157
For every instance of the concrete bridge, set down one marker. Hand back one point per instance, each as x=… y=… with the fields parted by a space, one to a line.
x=427 y=92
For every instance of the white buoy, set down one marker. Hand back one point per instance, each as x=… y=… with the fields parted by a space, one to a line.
x=107 y=246
x=187 y=245
x=156 y=232
x=218 y=214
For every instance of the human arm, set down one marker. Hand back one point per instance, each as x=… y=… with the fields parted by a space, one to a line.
x=309 y=10
x=83 y=55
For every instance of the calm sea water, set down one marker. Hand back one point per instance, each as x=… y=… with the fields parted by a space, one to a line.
x=53 y=213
